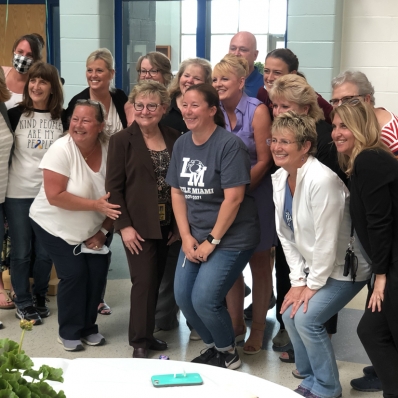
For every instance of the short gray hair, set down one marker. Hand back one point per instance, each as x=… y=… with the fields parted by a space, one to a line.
x=359 y=79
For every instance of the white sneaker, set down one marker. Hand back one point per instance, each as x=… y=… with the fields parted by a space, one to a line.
x=194 y=335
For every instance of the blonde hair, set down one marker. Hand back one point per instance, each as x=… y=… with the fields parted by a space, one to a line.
x=295 y=89
x=105 y=55
x=360 y=119
x=302 y=127
x=158 y=61
x=232 y=64
x=174 y=88
x=5 y=95
x=150 y=87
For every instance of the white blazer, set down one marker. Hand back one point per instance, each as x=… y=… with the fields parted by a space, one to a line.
x=322 y=226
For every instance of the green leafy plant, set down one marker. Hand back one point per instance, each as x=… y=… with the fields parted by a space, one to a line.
x=15 y=364
x=260 y=66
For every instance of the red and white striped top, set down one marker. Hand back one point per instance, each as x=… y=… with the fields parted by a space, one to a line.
x=389 y=133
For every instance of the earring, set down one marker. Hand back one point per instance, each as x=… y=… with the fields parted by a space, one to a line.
x=302 y=158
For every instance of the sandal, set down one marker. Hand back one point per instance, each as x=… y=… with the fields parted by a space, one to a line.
x=237 y=323
x=297 y=374
x=290 y=354
x=9 y=303
x=252 y=343
x=104 y=309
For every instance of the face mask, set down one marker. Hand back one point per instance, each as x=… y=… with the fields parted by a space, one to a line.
x=22 y=63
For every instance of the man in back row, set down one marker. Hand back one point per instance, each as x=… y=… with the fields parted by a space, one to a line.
x=244 y=44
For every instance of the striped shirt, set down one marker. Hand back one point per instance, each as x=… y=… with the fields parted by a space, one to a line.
x=389 y=133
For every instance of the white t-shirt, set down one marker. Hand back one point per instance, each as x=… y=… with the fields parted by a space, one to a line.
x=113 y=121
x=14 y=100
x=5 y=149
x=34 y=134
x=74 y=227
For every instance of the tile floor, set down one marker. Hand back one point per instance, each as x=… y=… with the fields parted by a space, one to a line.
x=41 y=342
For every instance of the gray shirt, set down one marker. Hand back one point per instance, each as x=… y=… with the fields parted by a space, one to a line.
x=202 y=172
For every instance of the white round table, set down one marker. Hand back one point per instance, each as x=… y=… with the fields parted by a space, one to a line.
x=123 y=377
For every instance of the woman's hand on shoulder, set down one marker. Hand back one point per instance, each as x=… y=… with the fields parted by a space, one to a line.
x=103 y=206
x=377 y=296
x=189 y=246
x=131 y=239
x=292 y=297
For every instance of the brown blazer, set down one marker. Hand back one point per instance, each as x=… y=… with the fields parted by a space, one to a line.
x=131 y=180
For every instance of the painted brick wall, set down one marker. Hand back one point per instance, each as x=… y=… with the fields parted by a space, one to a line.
x=370 y=44
x=86 y=25
x=314 y=35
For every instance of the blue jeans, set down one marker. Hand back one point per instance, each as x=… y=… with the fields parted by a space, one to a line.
x=21 y=233
x=312 y=347
x=200 y=290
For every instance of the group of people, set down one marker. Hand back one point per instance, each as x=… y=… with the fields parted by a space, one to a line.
x=201 y=174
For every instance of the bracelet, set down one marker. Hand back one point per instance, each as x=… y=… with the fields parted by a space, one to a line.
x=104 y=231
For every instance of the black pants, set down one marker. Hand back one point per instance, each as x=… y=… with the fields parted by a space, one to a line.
x=146 y=272
x=378 y=332
x=167 y=308
x=282 y=272
x=82 y=280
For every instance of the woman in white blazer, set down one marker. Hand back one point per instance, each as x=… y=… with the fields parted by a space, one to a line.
x=313 y=225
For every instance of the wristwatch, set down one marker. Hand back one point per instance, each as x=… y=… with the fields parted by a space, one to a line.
x=210 y=238
x=105 y=232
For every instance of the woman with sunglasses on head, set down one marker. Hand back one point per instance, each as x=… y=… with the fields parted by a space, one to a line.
x=313 y=225
x=192 y=71
x=373 y=173
x=281 y=62
x=26 y=51
x=248 y=118
x=152 y=66
x=354 y=84
x=37 y=124
x=100 y=71
x=139 y=157
x=72 y=218
x=292 y=92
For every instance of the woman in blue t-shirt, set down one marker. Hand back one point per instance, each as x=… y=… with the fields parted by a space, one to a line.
x=210 y=175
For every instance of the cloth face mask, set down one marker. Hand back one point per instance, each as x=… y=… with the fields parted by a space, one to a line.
x=22 y=63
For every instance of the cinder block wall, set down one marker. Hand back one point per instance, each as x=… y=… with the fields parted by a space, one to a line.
x=86 y=25
x=370 y=44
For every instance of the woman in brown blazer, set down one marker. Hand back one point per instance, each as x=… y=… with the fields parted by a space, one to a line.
x=138 y=159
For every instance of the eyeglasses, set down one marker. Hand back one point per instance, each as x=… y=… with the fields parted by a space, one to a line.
x=339 y=101
x=91 y=102
x=152 y=72
x=282 y=143
x=150 y=107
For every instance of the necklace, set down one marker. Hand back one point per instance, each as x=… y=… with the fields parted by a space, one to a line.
x=86 y=157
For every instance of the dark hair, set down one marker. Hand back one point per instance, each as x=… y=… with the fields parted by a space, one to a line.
x=36 y=43
x=210 y=96
x=56 y=99
x=287 y=56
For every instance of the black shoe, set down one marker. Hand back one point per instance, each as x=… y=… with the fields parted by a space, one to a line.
x=369 y=371
x=366 y=384
x=205 y=355
x=158 y=345
x=40 y=303
x=225 y=359
x=248 y=312
x=30 y=314
x=247 y=290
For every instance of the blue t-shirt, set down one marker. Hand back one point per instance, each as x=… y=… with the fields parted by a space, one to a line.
x=253 y=83
x=202 y=172
x=287 y=209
